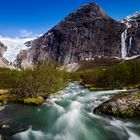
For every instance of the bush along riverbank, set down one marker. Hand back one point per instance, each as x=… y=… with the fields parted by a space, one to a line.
x=123 y=75
x=32 y=86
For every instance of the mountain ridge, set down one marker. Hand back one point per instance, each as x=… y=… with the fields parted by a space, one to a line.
x=86 y=33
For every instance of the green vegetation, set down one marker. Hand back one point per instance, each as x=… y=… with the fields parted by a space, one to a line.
x=126 y=74
x=36 y=101
x=3 y=91
x=31 y=86
x=42 y=79
x=8 y=78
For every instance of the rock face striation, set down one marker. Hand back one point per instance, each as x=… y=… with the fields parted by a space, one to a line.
x=3 y=48
x=84 y=34
x=3 y=61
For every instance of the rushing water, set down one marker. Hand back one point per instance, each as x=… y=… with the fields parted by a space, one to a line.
x=69 y=116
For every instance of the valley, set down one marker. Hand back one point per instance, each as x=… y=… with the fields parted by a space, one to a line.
x=78 y=81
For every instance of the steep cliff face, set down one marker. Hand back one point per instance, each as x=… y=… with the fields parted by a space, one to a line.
x=85 y=34
x=3 y=48
x=3 y=61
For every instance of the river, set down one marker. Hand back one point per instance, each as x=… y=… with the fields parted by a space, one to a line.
x=68 y=115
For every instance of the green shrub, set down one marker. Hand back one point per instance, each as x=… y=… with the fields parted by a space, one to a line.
x=74 y=76
x=120 y=75
x=8 y=78
x=42 y=79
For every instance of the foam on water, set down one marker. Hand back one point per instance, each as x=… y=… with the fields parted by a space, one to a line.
x=36 y=135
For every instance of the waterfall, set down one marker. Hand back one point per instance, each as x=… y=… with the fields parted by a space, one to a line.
x=130 y=44
x=123 y=41
x=123 y=45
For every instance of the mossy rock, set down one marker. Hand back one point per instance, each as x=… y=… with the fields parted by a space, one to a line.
x=8 y=98
x=3 y=91
x=34 y=101
x=124 y=105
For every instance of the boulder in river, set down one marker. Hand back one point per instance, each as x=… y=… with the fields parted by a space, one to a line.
x=123 y=105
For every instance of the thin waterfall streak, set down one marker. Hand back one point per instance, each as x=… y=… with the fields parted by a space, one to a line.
x=130 y=44
x=123 y=41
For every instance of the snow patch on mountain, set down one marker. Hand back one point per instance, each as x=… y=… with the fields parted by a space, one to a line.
x=14 y=45
x=132 y=16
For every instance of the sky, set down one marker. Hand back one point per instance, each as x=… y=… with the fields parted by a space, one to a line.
x=30 y=18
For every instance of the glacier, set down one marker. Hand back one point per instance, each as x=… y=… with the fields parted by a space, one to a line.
x=14 y=45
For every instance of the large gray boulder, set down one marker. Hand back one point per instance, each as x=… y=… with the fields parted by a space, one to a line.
x=123 y=105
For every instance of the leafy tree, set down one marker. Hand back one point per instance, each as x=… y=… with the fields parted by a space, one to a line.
x=42 y=79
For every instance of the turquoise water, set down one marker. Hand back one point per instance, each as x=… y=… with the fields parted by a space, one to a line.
x=69 y=116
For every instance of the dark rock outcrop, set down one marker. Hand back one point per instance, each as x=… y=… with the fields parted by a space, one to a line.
x=3 y=48
x=124 y=105
x=3 y=61
x=7 y=130
x=86 y=33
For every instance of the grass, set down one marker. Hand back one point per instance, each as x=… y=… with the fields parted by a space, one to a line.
x=93 y=88
x=3 y=91
x=34 y=101
x=6 y=97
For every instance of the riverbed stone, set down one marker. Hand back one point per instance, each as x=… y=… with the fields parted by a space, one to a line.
x=2 y=107
x=7 y=129
x=124 y=105
x=1 y=137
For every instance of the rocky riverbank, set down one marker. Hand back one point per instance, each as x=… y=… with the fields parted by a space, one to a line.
x=6 y=97
x=124 y=105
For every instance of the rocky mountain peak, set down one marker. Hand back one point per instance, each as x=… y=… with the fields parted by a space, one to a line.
x=133 y=16
x=91 y=10
x=84 y=34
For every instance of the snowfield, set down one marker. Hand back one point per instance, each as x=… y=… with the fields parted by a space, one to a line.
x=14 y=45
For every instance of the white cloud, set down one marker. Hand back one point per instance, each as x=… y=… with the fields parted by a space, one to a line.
x=28 y=34
x=25 y=33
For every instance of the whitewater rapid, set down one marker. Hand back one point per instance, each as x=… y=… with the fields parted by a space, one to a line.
x=68 y=115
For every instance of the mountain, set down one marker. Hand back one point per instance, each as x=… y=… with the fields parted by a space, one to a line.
x=3 y=48
x=14 y=45
x=3 y=61
x=84 y=34
x=131 y=35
